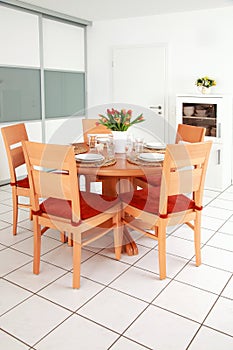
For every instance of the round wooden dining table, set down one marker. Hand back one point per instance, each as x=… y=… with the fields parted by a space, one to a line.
x=118 y=178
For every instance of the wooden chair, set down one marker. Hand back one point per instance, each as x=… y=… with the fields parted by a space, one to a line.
x=90 y=127
x=190 y=133
x=156 y=208
x=185 y=133
x=84 y=216
x=12 y=136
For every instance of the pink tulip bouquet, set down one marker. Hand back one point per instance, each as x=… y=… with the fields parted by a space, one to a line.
x=119 y=120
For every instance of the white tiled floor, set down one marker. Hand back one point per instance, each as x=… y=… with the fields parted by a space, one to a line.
x=120 y=305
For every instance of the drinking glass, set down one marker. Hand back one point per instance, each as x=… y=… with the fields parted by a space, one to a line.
x=92 y=140
x=110 y=147
x=129 y=144
x=139 y=145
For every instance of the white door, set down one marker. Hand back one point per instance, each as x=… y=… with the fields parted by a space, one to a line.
x=139 y=80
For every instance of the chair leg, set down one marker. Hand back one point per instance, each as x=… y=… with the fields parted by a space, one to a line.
x=118 y=236
x=162 y=249
x=37 y=246
x=197 y=238
x=63 y=237
x=15 y=210
x=70 y=240
x=77 y=248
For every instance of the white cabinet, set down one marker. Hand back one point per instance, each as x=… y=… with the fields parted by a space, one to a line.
x=214 y=112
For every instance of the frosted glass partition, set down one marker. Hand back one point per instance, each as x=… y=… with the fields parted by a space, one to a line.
x=19 y=94
x=64 y=94
x=63 y=46
x=19 y=38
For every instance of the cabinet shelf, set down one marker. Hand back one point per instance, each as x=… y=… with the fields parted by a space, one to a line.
x=199 y=118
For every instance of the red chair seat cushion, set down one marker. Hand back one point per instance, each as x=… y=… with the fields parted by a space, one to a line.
x=154 y=180
x=23 y=183
x=148 y=200
x=91 y=204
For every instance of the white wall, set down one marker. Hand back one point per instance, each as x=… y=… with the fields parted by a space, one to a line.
x=200 y=43
x=63 y=130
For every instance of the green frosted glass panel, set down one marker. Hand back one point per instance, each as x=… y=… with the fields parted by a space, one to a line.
x=64 y=94
x=20 y=98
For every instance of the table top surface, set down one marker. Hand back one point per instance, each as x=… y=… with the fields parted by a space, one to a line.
x=122 y=168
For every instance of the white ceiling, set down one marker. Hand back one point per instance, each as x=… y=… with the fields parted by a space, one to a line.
x=113 y=9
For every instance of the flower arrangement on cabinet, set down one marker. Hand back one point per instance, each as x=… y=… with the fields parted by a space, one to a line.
x=205 y=82
x=119 y=120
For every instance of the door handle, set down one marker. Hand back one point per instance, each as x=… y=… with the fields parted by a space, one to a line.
x=219 y=130
x=159 y=108
x=155 y=107
x=218 y=156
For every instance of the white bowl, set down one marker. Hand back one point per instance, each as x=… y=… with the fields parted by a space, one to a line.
x=201 y=112
x=188 y=110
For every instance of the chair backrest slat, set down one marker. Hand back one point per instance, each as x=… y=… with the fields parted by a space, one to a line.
x=15 y=133
x=182 y=156
x=190 y=133
x=17 y=157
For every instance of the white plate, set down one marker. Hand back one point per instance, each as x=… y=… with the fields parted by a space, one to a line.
x=89 y=157
x=155 y=145
x=151 y=157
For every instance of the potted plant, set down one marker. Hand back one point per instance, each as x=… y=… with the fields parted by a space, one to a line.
x=119 y=122
x=204 y=84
